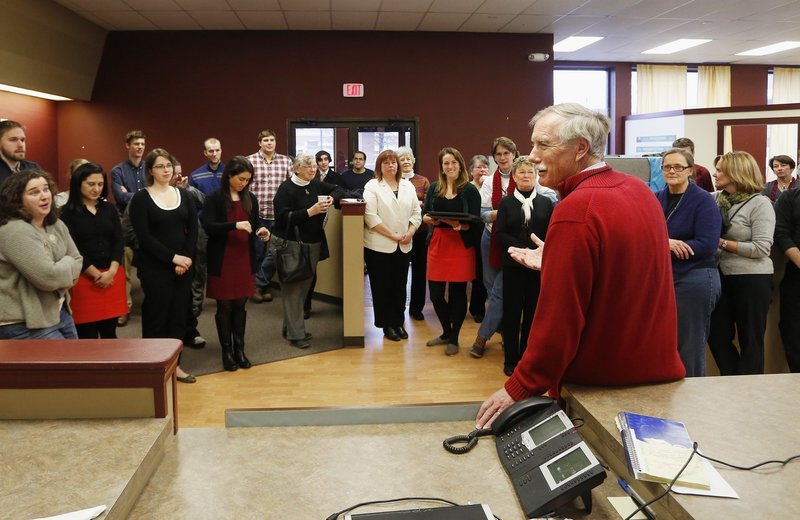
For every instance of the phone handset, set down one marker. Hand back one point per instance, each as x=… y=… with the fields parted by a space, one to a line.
x=518 y=411
x=507 y=419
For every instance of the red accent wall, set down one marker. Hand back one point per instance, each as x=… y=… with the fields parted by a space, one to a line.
x=41 y=134
x=749 y=85
x=181 y=87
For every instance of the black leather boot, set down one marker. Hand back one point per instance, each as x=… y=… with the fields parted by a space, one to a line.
x=224 y=333
x=239 y=320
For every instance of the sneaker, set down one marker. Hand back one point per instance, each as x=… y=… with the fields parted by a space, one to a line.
x=266 y=295
x=198 y=342
x=300 y=343
x=257 y=297
x=438 y=340
x=451 y=349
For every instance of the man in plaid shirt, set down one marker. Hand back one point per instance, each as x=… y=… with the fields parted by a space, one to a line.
x=271 y=169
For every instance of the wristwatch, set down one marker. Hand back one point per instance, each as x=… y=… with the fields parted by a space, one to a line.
x=457 y=228
x=725 y=245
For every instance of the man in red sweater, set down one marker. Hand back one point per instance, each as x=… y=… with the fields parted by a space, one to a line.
x=606 y=314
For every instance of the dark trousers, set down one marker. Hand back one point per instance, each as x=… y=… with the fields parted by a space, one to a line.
x=419 y=268
x=477 y=297
x=388 y=276
x=790 y=315
x=167 y=302
x=742 y=308
x=452 y=310
x=103 y=329
x=520 y=295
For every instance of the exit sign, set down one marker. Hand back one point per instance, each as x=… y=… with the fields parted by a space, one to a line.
x=353 y=90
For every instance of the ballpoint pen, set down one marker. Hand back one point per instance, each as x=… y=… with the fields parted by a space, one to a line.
x=636 y=498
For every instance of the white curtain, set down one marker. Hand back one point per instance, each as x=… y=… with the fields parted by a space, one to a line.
x=713 y=86
x=660 y=88
x=782 y=139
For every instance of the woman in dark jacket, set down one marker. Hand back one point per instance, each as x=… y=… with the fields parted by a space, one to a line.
x=518 y=216
x=230 y=216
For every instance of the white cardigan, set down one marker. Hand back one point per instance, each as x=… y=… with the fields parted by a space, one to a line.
x=393 y=212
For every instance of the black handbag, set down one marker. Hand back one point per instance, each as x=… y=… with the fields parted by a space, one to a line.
x=293 y=259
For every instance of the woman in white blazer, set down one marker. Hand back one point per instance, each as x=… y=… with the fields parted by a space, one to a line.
x=391 y=217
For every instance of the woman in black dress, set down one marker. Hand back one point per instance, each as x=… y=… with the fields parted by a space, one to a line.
x=165 y=222
x=230 y=217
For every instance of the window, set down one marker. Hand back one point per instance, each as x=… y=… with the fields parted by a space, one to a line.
x=691 y=90
x=587 y=87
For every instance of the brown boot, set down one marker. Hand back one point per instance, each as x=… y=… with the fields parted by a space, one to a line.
x=478 y=348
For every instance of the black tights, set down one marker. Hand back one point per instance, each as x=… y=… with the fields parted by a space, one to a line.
x=229 y=307
x=451 y=312
x=104 y=329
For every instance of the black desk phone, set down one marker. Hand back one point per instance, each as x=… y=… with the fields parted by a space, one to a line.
x=545 y=457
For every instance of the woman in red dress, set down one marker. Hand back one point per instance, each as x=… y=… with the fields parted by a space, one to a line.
x=230 y=218
x=451 y=249
x=98 y=298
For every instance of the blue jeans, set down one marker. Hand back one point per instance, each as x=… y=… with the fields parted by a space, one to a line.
x=64 y=329
x=696 y=295
x=493 y=281
x=266 y=266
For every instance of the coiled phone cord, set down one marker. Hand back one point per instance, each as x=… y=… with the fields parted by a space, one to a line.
x=469 y=440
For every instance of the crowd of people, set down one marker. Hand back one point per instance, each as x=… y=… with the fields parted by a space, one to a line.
x=65 y=262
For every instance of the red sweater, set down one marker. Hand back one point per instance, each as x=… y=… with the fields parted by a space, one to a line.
x=606 y=313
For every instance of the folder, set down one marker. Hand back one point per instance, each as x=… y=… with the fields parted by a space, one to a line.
x=656 y=449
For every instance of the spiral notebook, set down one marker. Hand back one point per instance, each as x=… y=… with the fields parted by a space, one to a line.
x=658 y=448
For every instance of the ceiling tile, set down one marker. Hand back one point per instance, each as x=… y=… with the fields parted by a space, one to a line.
x=217 y=20
x=92 y=17
x=203 y=5
x=442 y=21
x=505 y=6
x=486 y=22
x=153 y=5
x=454 y=6
x=398 y=21
x=101 y=5
x=420 y=6
x=306 y=5
x=554 y=6
x=652 y=9
x=171 y=20
x=606 y=7
x=125 y=20
x=355 y=5
x=529 y=23
x=308 y=21
x=254 y=5
x=354 y=21
x=570 y=25
x=263 y=20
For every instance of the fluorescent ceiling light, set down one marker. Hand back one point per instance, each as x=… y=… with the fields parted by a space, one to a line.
x=34 y=93
x=770 y=49
x=573 y=43
x=676 y=46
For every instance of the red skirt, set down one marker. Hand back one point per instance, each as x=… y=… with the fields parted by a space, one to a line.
x=448 y=259
x=90 y=303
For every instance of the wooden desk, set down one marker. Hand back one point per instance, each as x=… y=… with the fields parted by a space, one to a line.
x=742 y=420
x=46 y=379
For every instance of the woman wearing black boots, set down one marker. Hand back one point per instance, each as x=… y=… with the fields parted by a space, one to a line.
x=230 y=218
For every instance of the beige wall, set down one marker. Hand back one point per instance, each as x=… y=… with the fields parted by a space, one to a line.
x=49 y=48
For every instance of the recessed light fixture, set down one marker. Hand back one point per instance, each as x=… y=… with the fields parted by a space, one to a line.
x=676 y=46
x=573 y=43
x=34 y=93
x=770 y=49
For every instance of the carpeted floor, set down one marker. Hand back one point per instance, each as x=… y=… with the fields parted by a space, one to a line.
x=263 y=340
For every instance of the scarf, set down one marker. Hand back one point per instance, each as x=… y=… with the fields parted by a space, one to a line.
x=495 y=249
x=298 y=181
x=527 y=203
x=725 y=201
x=408 y=175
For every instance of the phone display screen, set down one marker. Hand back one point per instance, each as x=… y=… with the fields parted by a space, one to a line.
x=568 y=466
x=545 y=430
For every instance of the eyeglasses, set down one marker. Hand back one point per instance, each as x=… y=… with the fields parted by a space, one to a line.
x=167 y=166
x=677 y=168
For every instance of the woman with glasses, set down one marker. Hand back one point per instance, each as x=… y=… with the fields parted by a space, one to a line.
x=165 y=222
x=230 y=218
x=693 y=225
x=783 y=167
x=98 y=298
x=748 y=224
